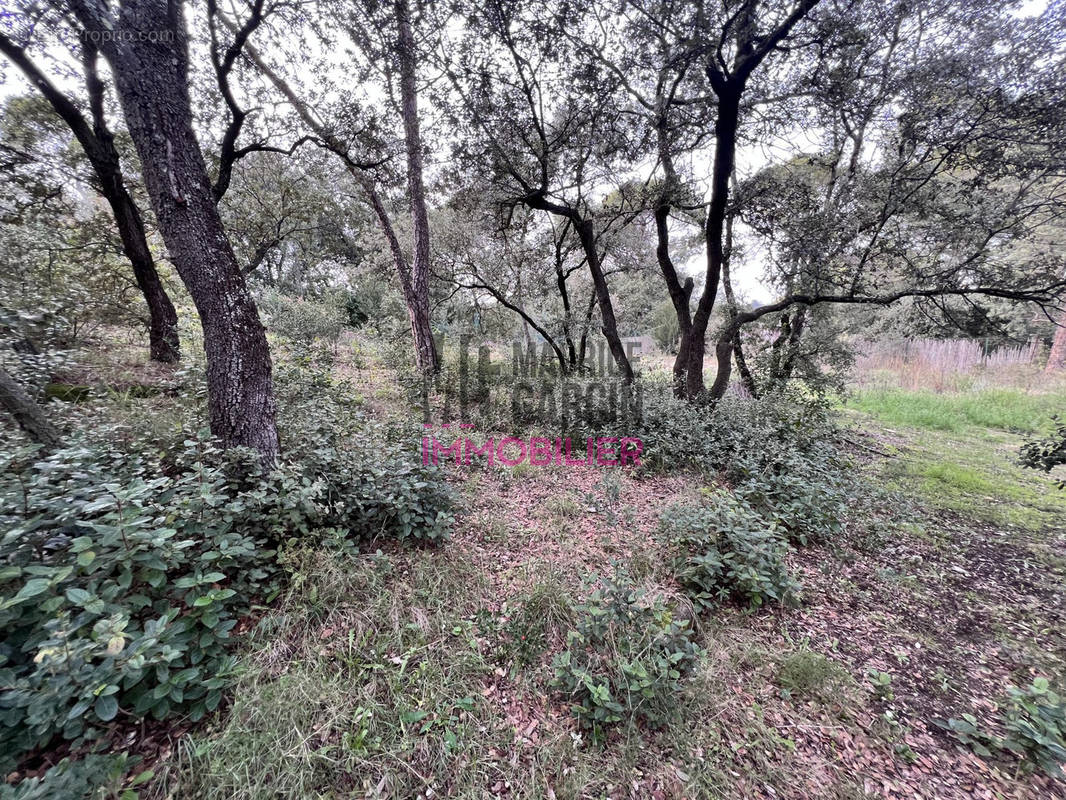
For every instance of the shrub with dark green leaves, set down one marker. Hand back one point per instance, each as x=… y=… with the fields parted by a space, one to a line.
x=95 y=777
x=725 y=550
x=124 y=572
x=625 y=659
x=1034 y=724
x=1035 y=720
x=1046 y=454
x=803 y=494
x=120 y=587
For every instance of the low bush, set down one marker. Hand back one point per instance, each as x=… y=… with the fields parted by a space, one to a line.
x=125 y=570
x=1046 y=454
x=99 y=777
x=120 y=585
x=1034 y=723
x=725 y=550
x=804 y=494
x=303 y=322
x=625 y=658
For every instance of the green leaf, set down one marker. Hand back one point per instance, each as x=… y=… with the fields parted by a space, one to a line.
x=78 y=596
x=106 y=707
x=32 y=588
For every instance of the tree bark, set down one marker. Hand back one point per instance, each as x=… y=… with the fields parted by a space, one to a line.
x=418 y=305
x=97 y=142
x=29 y=416
x=725 y=135
x=151 y=75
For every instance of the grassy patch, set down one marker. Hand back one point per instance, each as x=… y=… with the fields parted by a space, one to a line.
x=977 y=475
x=1002 y=409
x=804 y=673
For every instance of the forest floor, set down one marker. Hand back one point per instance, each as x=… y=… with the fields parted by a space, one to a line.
x=425 y=672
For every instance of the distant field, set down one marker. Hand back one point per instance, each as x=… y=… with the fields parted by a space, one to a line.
x=1002 y=409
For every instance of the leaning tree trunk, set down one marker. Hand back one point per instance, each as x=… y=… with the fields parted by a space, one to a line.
x=162 y=318
x=603 y=298
x=29 y=416
x=151 y=77
x=418 y=304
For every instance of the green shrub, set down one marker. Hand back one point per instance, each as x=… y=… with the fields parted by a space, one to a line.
x=738 y=436
x=120 y=587
x=302 y=322
x=625 y=658
x=803 y=494
x=725 y=550
x=1046 y=454
x=367 y=474
x=93 y=777
x=124 y=572
x=1035 y=720
x=1034 y=724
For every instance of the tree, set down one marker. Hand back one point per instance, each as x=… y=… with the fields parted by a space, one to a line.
x=963 y=174
x=97 y=142
x=385 y=35
x=551 y=133
x=148 y=56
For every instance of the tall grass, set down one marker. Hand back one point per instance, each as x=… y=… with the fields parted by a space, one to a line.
x=948 y=364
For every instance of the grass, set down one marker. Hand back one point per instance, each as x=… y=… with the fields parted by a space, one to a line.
x=973 y=472
x=808 y=674
x=960 y=451
x=1012 y=410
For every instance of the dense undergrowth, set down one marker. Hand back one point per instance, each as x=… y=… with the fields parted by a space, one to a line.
x=146 y=574
x=128 y=562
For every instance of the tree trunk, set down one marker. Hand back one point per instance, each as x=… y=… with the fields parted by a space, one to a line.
x=583 y=346
x=603 y=298
x=680 y=294
x=98 y=144
x=29 y=416
x=731 y=303
x=425 y=349
x=788 y=363
x=162 y=318
x=725 y=135
x=1057 y=357
x=151 y=76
